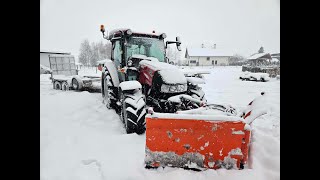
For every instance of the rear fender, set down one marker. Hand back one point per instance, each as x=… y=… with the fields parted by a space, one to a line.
x=111 y=68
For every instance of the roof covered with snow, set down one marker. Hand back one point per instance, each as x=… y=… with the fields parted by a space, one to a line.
x=53 y=52
x=259 y=55
x=207 y=52
x=61 y=55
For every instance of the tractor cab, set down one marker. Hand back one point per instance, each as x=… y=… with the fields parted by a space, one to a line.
x=129 y=47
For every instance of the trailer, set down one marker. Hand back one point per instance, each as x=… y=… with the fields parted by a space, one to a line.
x=65 y=75
x=249 y=76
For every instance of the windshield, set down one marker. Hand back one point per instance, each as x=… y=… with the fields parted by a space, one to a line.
x=150 y=47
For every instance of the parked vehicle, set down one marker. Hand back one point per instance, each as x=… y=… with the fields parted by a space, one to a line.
x=65 y=76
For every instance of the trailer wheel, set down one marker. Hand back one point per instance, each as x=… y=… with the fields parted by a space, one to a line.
x=57 y=85
x=133 y=114
x=65 y=86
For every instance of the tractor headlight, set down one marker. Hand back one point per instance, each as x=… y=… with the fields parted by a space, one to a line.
x=173 y=88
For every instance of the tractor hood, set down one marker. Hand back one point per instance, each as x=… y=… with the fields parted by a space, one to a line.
x=170 y=74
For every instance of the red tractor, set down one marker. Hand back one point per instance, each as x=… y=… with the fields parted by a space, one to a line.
x=139 y=76
x=151 y=95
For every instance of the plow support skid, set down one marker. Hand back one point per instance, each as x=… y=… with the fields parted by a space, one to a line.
x=195 y=143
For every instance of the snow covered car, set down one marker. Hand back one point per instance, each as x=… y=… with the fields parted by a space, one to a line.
x=44 y=69
x=249 y=76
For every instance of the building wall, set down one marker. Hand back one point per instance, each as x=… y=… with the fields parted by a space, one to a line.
x=221 y=60
x=44 y=59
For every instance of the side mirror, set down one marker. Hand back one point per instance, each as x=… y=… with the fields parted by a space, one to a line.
x=178 y=43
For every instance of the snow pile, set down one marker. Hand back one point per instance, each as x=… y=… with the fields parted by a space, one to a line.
x=258 y=107
x=80 y=139
x=260 y=75
x=192 y=72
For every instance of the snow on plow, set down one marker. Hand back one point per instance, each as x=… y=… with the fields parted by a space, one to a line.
x=207 y=140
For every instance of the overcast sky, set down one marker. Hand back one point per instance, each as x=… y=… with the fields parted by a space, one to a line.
x=237 y=26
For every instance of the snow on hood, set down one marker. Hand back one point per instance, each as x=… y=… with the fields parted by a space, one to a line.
x=170 y=74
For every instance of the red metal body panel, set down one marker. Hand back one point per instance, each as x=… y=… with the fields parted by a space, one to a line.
x=146 y=75
x=220 y=143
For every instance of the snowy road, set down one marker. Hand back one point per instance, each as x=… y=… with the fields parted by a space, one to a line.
x=81 y=139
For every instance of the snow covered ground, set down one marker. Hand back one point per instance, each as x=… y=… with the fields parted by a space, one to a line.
x=80 y=139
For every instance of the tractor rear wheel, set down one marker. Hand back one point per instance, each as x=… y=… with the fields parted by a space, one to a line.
x=109 y=96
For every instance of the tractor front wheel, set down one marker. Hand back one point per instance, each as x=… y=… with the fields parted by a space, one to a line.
x=133 y=113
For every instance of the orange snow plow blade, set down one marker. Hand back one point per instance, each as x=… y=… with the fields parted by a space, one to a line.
x=206 y=142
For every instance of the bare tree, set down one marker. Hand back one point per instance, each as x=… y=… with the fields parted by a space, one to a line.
x=170 y=53
x=108 y=48
x=94 y=54
x=85 y=52
x=104 y=50
x=236 y=60
x=261 y=50
x=173 y=54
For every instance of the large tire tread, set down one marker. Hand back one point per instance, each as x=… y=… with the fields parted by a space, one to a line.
x=136 y=114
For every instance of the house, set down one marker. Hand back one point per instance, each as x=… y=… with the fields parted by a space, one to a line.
x=44 y=56
x=258 y=59
x=276 y=55
x=262 y=62
x=207 y=57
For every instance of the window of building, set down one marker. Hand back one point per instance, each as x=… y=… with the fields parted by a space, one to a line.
x=208 y=58
x=193 y=61
x=216 y=63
